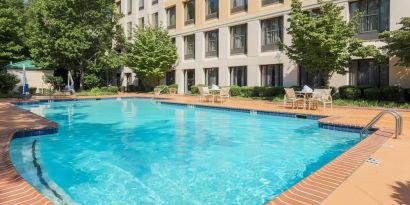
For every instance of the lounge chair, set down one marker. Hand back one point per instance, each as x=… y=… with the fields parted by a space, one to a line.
x=204 y=94
x=224 y=94
x=291 y=98
x=324 y=96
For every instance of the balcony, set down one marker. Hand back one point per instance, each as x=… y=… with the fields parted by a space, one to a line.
x=369 y=27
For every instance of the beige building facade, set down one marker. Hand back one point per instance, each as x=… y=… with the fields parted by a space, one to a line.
x=236 y=42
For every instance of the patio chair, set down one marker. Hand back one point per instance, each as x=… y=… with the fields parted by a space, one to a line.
x=224 y=94
x=291 y=98
x=204 y=94
x=157 y=91
x=324 y=96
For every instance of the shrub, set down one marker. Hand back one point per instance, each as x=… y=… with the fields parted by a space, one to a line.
x=95 y=90
x=195 y=89
x=407 y=94
x=55 y=81
x=349 y=92
x=258 y=91
x=112 y=89
x=163 y=88
x=173 y=86
x=235 y=90
x=91 y=81
x=267 y=91
x=32 y=90
x=362 y=88
x=7 y=82
x=296 y=88
x=248 y=91
x=104 y=89
x=392 y=93
x=279 y=91
x=372 y=93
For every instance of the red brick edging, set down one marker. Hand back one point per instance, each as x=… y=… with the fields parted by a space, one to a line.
x=315 y=188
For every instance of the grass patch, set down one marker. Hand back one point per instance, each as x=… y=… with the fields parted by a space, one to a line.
x=8 y=95
x=89 y=93
x=369 y=103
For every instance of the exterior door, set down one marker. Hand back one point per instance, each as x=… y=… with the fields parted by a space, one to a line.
x=189 y=79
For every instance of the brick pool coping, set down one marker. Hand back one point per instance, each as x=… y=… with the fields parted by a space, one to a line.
x=311 y=190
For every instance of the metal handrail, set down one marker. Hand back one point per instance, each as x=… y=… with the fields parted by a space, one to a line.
x=395 y=114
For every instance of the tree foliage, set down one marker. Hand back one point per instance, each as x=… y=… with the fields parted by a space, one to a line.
x=7 y=81
x=152 y=53
x=398 y=42
x=54 y=81
x=73 y=34
x=323 y=42
x=12 y=47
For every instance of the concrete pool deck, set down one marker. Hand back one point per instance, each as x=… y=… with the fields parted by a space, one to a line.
x=385 y=183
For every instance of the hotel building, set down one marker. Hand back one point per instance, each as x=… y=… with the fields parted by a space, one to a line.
x=236 y=42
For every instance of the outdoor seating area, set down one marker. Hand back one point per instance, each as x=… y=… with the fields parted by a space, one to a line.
x=307 y=98
x=214 y=94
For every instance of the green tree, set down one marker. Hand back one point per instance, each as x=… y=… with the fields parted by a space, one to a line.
x=323 y=42
x=12 y=47
x=73 y=34
x=398 y=42
x=7 y=81
x=151 y=54
x=54 y=81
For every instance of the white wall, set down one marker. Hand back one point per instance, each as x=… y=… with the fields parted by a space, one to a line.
x=34 y=77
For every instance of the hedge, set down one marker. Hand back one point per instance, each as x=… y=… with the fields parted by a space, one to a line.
x=372 y=93
x=392 y=93
x=195 y=89
x=350 y=92
x=236 y=90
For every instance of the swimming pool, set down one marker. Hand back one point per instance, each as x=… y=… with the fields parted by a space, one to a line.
x=136 y=151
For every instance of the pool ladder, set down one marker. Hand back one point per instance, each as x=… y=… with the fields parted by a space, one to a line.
x=395 y=114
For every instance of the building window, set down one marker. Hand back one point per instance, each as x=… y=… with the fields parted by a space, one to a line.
x=154 y=2
x=141 y=4
x=171 y=17
x=129 y=30
x=310 y=79
x=189 y=12
x=141 y=22
x=375 y=19
x=129 y=6
x=238 y=39
x=268 y=2
x=170 y=77
x=189 y=46
x=239 y=76
x=173 y=41
x=211 y=43
x=368 y=73
x=155 y=21
x=272 y=33
x=211 y=76
x=239 y=5
x=272 y=75
x=212 y=9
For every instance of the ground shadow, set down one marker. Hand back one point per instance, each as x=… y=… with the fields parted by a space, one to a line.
x=401 y=193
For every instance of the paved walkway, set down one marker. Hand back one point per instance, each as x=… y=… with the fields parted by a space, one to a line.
x=385 y=183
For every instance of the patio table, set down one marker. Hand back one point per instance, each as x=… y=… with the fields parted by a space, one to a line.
x=214 y=92
x=306 y=95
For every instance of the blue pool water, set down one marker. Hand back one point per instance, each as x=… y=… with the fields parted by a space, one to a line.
x=135 y=151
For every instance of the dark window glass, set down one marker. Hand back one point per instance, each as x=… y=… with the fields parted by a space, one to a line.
x=189 y=46
x=272 y=33
x=239 y=5
x=211 y=43
x=272 y=75
x=190 y=12
x=189 y=79
x=171 y=18
x=211 y=76
x=369 y=73
x=268 y=2
x=129 y=6
x=155 y=21
x=375 y=19
x=141 y=4
x=239 y=39
x=239 y=76
x=170 y=77
x=212 y=9
x=310 y=79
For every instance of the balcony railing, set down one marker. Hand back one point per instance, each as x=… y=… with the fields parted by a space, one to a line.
x=369 y=23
